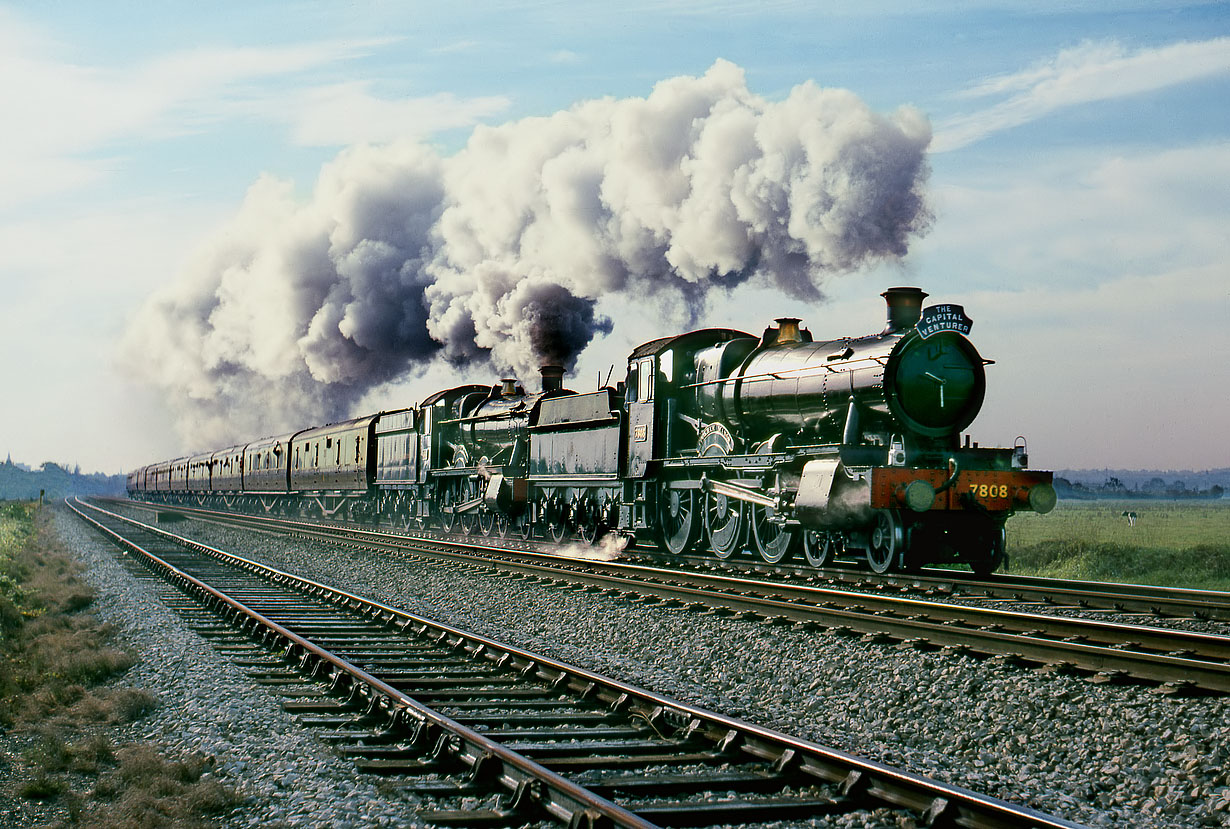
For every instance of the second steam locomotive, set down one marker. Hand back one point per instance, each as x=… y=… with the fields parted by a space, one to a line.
x=715 y=439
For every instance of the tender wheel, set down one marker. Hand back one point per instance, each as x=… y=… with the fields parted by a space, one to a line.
x=723 y=524
x=989 y=560
x=773 y=541
x=678 y=522
x=586 y=517
x=556 y=517
x=820 y=548
x=885 y=543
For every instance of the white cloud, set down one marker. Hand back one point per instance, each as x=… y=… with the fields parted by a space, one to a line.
x=1088 y=73
x=455 y=48
x=344 y=114
x=61 y=115
x=1085 y=218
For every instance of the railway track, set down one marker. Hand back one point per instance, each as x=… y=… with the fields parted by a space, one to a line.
x=1176 y=661
x=1044 y=593
x=449 y=715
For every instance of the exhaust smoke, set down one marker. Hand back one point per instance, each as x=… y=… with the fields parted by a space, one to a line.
x=495 y=257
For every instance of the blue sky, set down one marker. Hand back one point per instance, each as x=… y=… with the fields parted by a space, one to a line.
x=1080 y=183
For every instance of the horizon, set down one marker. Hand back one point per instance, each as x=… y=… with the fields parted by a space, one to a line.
x=183 y=170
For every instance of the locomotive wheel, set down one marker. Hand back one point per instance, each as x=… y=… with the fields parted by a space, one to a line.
x=470 y=519
x=678 y=523
x=986 y=563
x=723 y=524
x=820 y=548
x=773 y=541
x=885 y=543
x=486 y=522
x=448 y=498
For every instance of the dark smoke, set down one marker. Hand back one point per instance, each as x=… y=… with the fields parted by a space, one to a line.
x=495 y=257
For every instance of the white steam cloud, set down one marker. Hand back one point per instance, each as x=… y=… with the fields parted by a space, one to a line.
x=498 y=254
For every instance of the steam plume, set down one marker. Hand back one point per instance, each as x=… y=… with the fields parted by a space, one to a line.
x=498 y=254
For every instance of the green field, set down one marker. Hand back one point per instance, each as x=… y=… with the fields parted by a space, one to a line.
x=1174 y=543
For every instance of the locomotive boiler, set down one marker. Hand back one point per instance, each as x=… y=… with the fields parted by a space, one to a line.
x=715 y=440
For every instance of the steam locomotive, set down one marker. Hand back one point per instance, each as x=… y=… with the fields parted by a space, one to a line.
x=716 y=439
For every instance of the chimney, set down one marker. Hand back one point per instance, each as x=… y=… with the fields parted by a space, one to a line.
x=904 y=308
x=552 y=378
x=788 y=331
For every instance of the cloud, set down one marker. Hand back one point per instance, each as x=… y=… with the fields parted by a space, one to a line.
x=70 y=124
x=1091 y=72
x=1079 y=219
x=345 y=114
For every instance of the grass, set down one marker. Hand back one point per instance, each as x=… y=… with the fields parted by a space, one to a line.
x=1173 y=543
x=59 y=700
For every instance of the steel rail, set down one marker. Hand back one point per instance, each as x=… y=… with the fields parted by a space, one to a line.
x=1178 y=602
x=935 y=802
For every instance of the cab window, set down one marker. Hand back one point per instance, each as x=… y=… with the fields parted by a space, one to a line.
x=644 y=385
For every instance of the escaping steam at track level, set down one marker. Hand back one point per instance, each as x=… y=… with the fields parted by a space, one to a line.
x=497 y=255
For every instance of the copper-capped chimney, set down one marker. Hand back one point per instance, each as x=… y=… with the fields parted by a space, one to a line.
x=552 y=378
x=508 y=387
x=788 y=331
x=904 y=308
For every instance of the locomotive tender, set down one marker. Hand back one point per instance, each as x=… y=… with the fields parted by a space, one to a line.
x=716 y=439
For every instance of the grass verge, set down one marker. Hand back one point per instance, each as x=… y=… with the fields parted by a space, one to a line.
x=59 y=706
x=1167 y=543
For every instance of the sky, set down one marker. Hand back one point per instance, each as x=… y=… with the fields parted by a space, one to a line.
x=194 y=200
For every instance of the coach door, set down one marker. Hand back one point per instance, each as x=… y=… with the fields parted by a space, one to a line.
x=640 y=416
